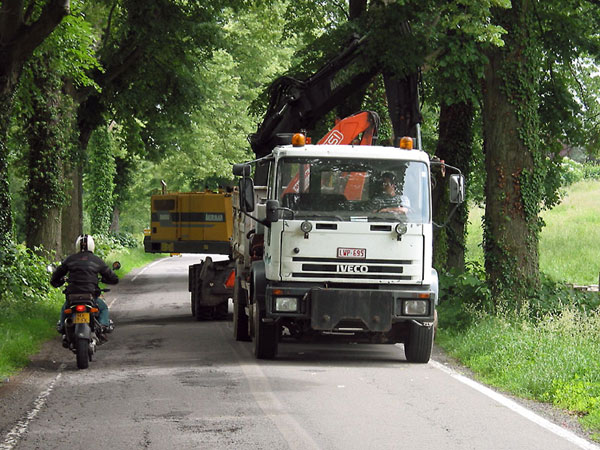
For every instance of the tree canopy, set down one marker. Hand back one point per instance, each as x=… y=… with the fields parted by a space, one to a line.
x=173 y=89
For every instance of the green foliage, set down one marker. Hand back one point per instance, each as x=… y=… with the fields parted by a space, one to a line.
x=108 y=243
x=461 y=295
x=573 y=171
x=99 y=181
x=23 y=280
x=230 y=80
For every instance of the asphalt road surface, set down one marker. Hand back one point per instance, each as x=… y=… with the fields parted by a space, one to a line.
x=166 y=381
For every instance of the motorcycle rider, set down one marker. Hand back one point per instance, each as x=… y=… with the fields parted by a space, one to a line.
x=82 y=269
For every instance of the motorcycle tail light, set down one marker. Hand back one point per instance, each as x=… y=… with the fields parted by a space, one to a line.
x=80 y=308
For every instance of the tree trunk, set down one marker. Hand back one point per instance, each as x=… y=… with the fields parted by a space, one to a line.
x=47 y=147
x=89 y=116
x=72 y=214
x=353 y=103
x=5 y=204
x=17 y=44
x=455 y=147
x=511 y=232
x=114 y=225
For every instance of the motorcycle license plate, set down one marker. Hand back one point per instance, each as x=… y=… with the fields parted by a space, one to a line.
x=81 y=318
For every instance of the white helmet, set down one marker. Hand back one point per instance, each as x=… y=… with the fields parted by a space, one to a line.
x=85 y=242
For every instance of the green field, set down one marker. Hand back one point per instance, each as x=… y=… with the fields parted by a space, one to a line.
x=570 y=241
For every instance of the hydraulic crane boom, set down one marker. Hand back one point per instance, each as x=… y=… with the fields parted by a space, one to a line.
x=296 y=104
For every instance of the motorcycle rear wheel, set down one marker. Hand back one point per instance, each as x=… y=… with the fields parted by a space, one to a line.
x=82 y=350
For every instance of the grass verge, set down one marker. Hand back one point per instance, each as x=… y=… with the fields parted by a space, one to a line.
x=554 y=360
x=23 y=330
x=550 y=351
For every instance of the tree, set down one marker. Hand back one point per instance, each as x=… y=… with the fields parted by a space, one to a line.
x=522 y=132
x=150 y=55
x=21 y=32
x=512 y=157
x=99 y=180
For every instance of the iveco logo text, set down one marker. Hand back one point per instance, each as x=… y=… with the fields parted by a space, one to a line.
x=353 y=269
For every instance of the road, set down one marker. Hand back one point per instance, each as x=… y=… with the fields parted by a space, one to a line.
x=165 y=381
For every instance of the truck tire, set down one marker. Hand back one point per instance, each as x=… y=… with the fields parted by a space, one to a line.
x=193 y=302
x=265 y=336
x=222 y=310
x=240 y=318
x=204 y=312
x=418 y=347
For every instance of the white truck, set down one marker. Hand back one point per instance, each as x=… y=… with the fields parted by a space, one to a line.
x=319 y=253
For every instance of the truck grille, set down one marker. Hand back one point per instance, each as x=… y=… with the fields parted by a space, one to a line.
x=380 y=269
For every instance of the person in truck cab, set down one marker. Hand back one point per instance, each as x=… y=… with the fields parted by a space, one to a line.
x=390 y=201
x=82 y=269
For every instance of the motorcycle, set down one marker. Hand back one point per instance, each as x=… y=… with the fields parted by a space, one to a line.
x=82 y=329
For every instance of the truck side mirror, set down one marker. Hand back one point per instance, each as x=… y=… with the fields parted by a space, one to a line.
x=457 y=188
x=241 y=170
x=272 y=211
x=246 y=194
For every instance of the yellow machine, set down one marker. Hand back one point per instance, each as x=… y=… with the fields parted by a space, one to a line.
x=197 y=222
x=190 y=222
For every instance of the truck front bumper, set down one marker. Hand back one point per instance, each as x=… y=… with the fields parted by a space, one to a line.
x=329 y=309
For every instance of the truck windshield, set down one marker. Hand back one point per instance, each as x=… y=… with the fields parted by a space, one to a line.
x=354 y=189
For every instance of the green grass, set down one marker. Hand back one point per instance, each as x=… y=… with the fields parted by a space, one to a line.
x=131 y=259
x=23 y=331
x=555 y=358
x=570 y=241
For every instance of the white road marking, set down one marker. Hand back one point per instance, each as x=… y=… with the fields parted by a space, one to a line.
x=111 y=303
x=146 y=268
x=514 y=406
x=13 y=436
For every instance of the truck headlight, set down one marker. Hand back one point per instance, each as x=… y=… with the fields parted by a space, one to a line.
x=286 y=304
x=306 y=226
x=415 y=307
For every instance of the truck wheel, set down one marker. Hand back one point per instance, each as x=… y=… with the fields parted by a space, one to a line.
x=265 y=336
x=204 y=312
x=420 y=343
x=193 y=302
x=221 y=310
x=240 y=319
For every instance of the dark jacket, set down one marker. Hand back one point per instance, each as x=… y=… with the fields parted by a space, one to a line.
x=82 y=271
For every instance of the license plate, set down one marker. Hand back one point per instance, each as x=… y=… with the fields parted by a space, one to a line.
x=81 y=318
x=352 y=253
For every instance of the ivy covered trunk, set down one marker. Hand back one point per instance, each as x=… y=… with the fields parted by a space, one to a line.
x=5 y=204
x=72 y=213
x=48 y=138
x=512 y=160
x=455 y=148
x=100 y=178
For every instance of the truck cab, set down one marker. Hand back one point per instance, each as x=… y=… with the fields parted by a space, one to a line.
x=347 y=248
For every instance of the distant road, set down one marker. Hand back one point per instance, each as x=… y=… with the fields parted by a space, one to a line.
x=166 y=381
